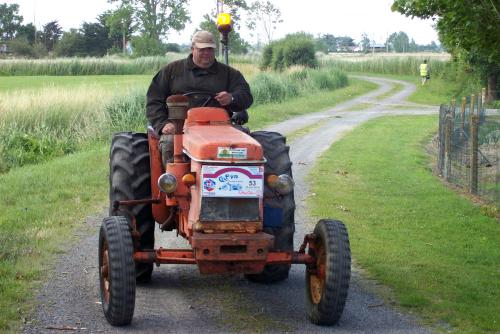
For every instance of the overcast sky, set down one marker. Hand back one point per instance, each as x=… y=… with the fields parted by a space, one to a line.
x=351 y=17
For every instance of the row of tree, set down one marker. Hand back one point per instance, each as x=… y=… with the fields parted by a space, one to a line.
x=142 y=24
x=396 y=42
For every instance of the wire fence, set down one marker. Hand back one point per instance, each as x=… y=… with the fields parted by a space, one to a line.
x=469 y=147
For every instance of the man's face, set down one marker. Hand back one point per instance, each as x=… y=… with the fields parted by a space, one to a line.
x=203 y=58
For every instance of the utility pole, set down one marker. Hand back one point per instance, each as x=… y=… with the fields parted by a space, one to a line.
x=34 y=20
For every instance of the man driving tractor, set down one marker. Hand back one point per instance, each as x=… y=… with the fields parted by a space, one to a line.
x=199 y=72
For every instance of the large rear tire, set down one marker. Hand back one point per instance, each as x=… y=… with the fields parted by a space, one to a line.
x=327 y=286
x=278 y=162
x=129 y=179
x=117 y=271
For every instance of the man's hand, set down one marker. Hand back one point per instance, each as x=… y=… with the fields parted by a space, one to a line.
x=240 y=117
x=168 y=129
x=224 y=98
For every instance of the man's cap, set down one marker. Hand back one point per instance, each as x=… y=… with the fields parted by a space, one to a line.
x=203 y=39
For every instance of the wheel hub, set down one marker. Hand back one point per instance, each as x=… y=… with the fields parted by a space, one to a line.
x=104 y=272
x=318 y=277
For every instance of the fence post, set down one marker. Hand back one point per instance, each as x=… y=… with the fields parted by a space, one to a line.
x=442 y=114
x=462 y=115
x=474 y=121
x=448 y=130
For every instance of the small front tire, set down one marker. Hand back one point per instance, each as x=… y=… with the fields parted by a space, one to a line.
x=117 y=271
x=327 y=282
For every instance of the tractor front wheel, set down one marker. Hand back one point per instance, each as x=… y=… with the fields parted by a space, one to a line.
x=327 y=281
x=117 y=270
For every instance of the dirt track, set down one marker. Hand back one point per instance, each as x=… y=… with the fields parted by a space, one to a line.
x=180 y=300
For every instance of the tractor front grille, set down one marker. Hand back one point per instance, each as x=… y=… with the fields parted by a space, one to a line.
x=229 y=209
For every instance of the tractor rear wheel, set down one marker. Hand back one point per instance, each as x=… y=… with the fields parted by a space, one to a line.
x=327 y=283
x=278 y=162
x=130 y=179
x=116 y=271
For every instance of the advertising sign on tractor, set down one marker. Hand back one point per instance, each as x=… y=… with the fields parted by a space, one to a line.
x=224 y=181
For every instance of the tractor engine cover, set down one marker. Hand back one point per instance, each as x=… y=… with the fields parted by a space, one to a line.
x=209 y=136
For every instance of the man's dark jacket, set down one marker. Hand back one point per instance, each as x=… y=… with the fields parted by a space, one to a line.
x=183 y=76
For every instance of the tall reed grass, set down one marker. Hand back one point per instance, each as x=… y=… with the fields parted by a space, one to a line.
x=85 y=66
x=102 y=66
x=388 y=65
x=271 y=87
x=36 y=126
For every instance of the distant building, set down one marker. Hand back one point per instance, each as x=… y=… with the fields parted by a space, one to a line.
x=376 y=47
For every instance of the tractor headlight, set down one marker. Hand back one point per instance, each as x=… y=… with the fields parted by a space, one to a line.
x=283 y=183
x=167 y=183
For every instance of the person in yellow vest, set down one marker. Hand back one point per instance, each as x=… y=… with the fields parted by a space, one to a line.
x=424 y=72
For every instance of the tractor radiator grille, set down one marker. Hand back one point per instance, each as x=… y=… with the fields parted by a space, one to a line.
x=229 y=209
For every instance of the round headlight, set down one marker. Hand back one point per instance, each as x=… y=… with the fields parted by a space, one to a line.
x=167 y=183
x=283 y=183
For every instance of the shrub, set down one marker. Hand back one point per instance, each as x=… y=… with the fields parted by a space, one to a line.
x=145 y=46
x=21 y=47
x=294 y=49
x=267 y=56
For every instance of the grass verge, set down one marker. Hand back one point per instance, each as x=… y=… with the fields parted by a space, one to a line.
x=434 y=248
x=40 y=206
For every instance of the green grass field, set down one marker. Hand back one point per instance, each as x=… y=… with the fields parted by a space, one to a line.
x=431 y=246
x=108 y=82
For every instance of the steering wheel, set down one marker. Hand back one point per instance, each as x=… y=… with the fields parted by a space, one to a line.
x=210 y=96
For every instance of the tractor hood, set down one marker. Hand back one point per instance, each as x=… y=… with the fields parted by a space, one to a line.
x=209 y=135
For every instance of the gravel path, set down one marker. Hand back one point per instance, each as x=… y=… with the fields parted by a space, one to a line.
x=180 y=300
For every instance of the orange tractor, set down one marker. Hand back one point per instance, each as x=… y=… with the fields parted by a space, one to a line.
x=230 y=194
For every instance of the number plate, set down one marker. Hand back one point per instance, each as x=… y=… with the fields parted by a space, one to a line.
x=232 y=181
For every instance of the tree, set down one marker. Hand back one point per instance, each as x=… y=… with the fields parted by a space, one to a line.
x=28 y=32
x=71 y=44
x=51 y=32
x=265 y=15
x=120 y=22
x=21 y=47
x=365 y=43
x=145 y=46
x=96 y=39
x=328 y=42
x=10 y=21
x=157 y=17
x=399 y=42
x=469 y=29
x=344 y=43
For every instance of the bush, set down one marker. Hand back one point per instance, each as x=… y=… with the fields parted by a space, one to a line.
x=145 y=46
x=275 y=88
x=21 y=47
x=294 y=49
x=172 y=47
x=267 y=57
